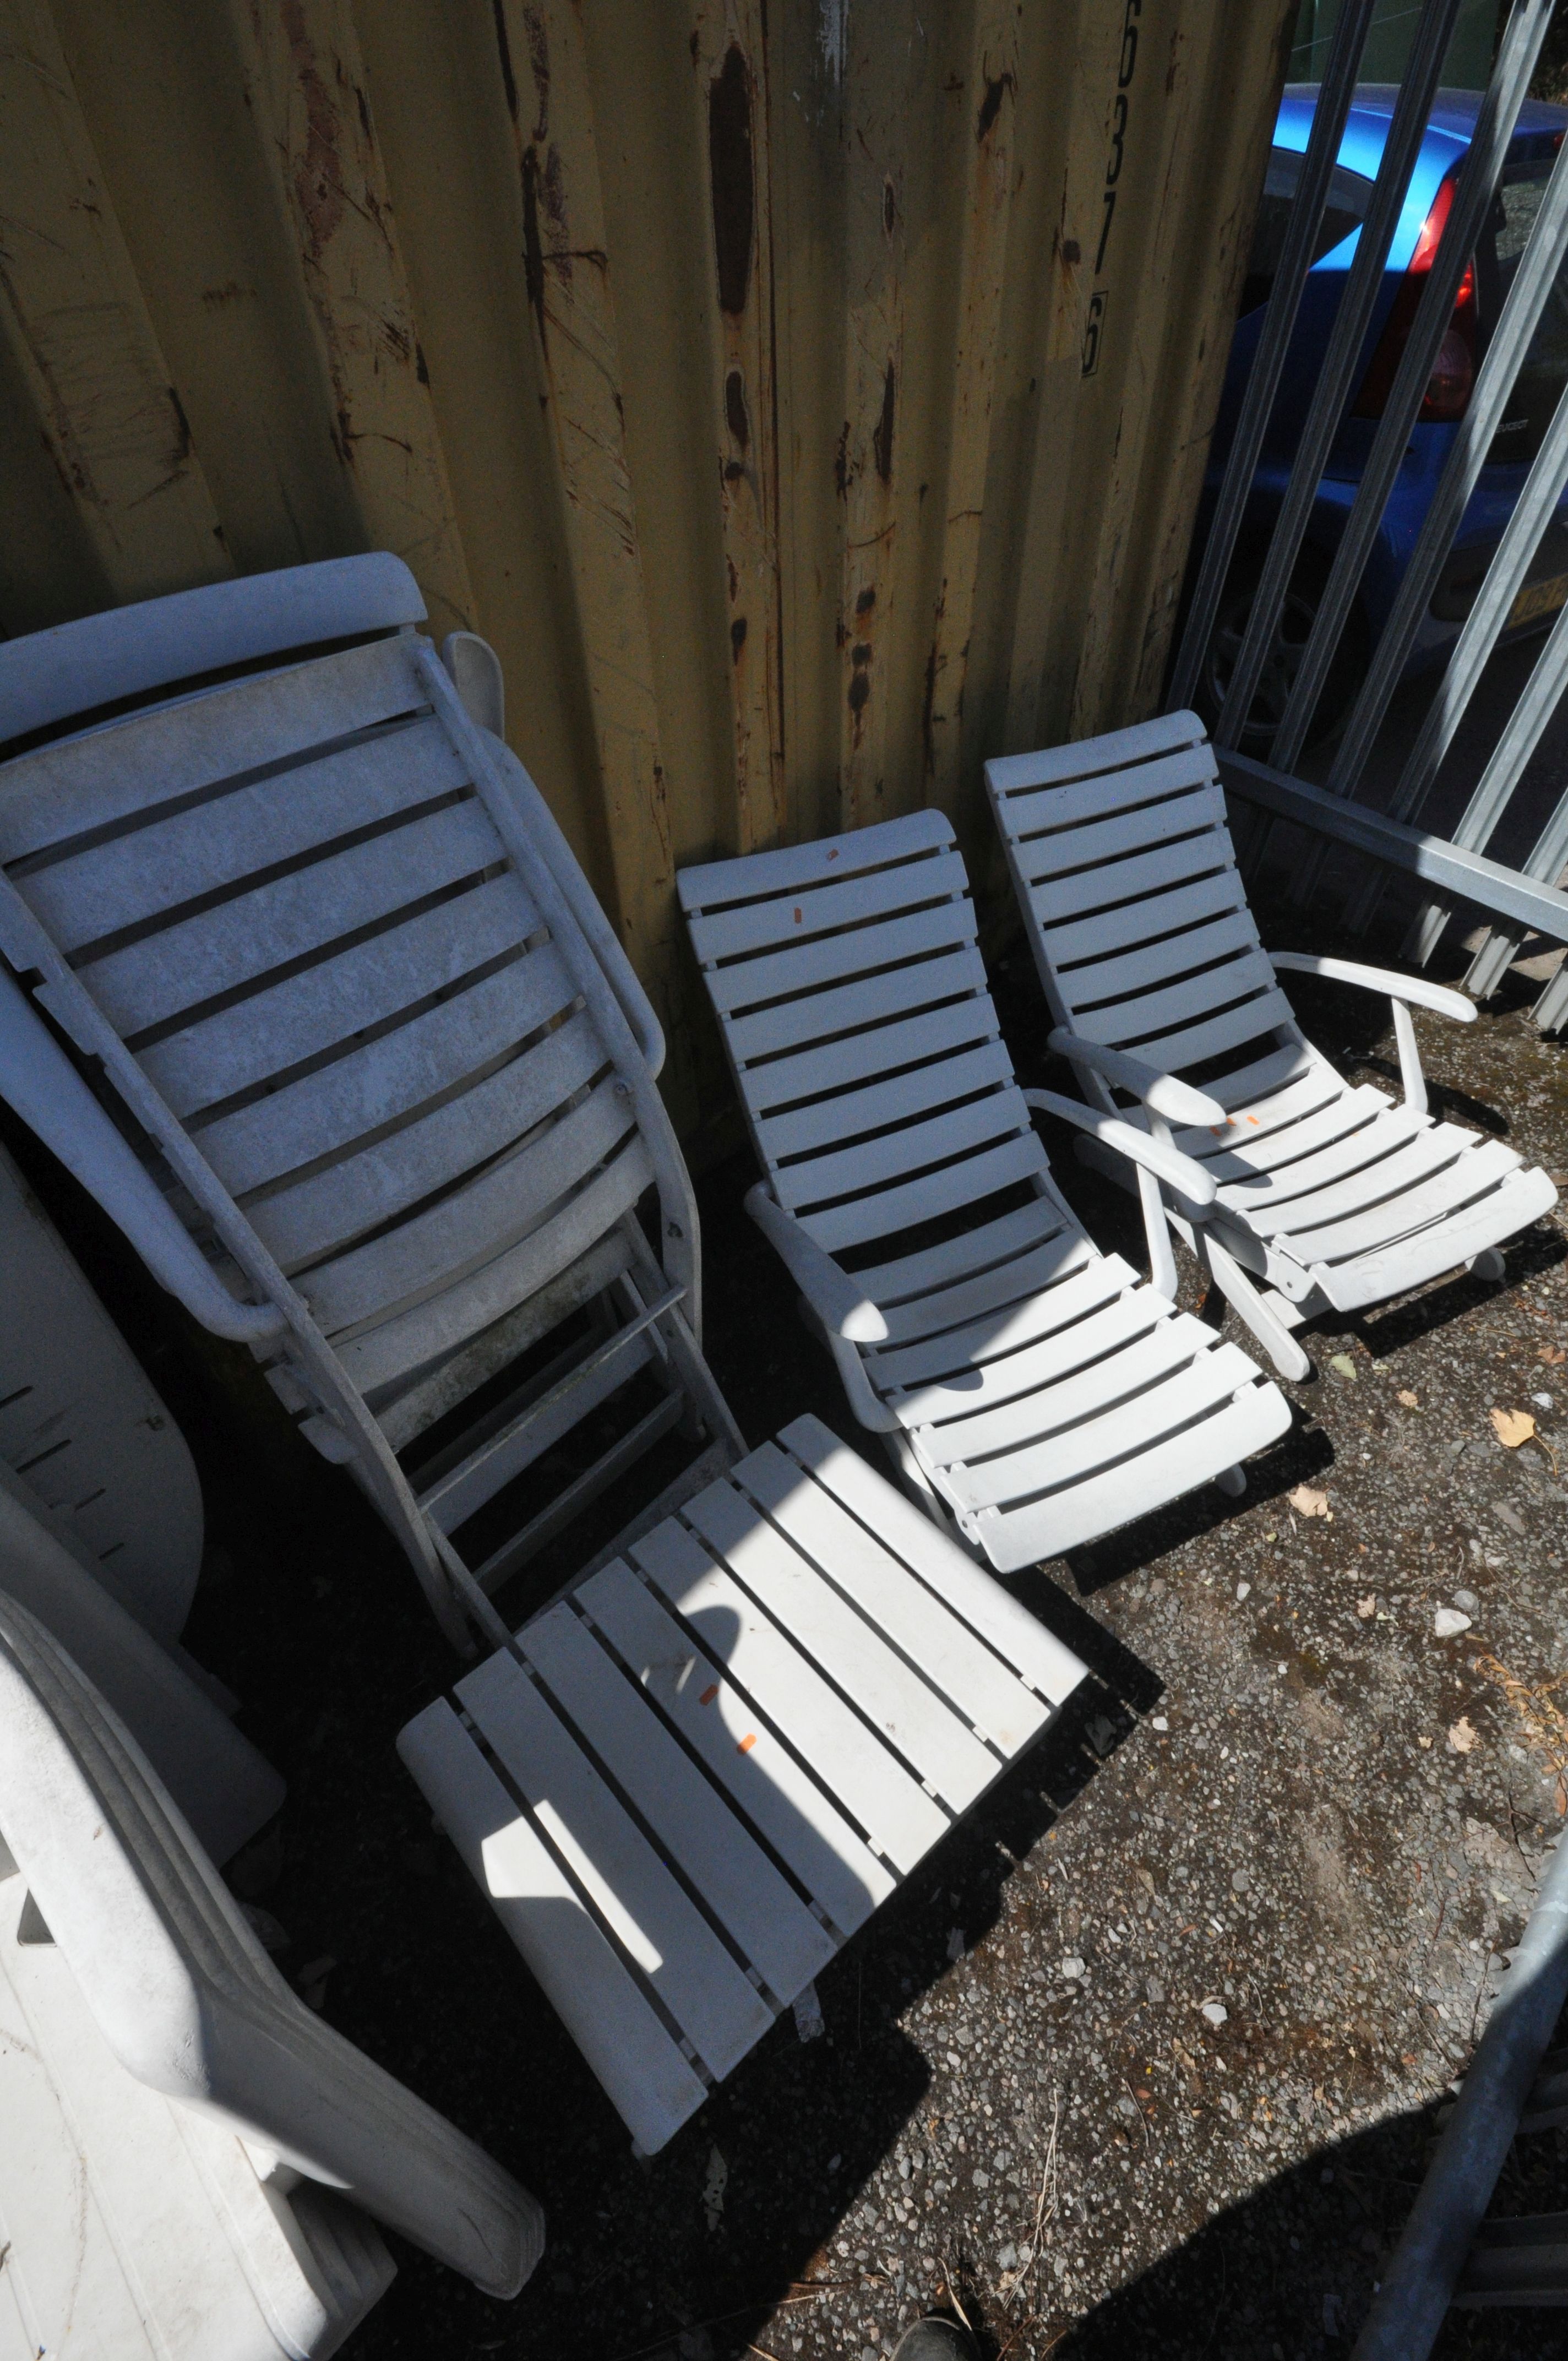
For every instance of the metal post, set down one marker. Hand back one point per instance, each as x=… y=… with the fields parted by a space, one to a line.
x=1533 y=283
x=1279 y=319
x=1407 y=2311
x=1363 y=283
x=1474 y=192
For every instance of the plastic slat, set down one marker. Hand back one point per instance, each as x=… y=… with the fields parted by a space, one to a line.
x=829 y=959
x=984 y=1691
x=865 y=1775
x=1501 y=1212
x=875 y=1050
x=323 y=1212
x=1113 y=750
x=139 y=874
x=405 y=1341
x=242 y=940
x=847 y=901
x=934 y=1192
x=58 y=793
x=274 y=1030
x=1017 y=1636
x=1179 y=1005
x=873 y=1163
x=1046 y=1409
x=705 y=1990
x=851 y=1009
x=323 y=1113
x=930 y=1267
x=464 y=1489
x=1459 y=1185
x=716 y=885
x=1277 y=1070
x=1247 y=1022
x=849 y=1650
x=809 y=1834
x=1053 y=899
x=1107 y=841
x=1048 y=1528
x=734 y=1877
x=1081 y=1351
x=1128 y=972
x=1116 y=1436
x=1261 y=1132
x=476 y=1221
x=989 y=1290
x=907 y=1094
x=1007 y=1329
x=1076 y=939
x=1027 y=816
x=1334 y=1145
x=1409 y=1163
x=646 y=2075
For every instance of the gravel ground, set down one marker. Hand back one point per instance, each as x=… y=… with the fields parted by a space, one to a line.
x=1155 y=2046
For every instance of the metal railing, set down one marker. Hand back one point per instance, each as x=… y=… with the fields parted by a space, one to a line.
x=1459 y=873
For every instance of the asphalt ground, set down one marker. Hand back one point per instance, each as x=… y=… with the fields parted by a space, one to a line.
x=1281 y=1796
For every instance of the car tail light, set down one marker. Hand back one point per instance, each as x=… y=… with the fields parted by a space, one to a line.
x=1453 y=371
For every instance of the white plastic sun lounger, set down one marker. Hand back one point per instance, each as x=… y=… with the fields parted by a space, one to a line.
x=391 y=1079
x=1122 y=860
x=1032 y=1391
x=188 y=2152
x=85 y=1430
x=687 y=1782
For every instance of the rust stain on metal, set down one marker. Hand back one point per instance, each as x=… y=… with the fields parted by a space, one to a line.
x=730 y=178
x=735 y=416
x=882 y=433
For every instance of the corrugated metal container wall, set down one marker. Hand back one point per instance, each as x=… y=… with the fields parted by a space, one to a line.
x=806 y=399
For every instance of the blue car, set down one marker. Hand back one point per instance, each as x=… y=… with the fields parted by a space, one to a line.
x=1531 y=155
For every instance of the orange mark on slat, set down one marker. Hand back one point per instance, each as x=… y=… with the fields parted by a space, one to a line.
x=797 y=918
x=747 y=1742
x=708 y=1694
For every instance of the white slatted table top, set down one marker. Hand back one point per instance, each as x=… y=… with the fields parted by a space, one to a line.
x=688 y=1781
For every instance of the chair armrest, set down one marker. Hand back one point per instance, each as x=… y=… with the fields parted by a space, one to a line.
x=583 y=905
x=1177 y=1102
x=831 y=1292
x=1156 y=1156
x=1414 y=990
x=40 y=1082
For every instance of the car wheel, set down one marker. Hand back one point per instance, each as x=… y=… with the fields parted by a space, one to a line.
x=1283 y=661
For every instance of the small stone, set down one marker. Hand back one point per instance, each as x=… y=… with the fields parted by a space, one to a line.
x=1542 y=1402
x=1448 y=1623
x=1408 y=1398
x=1467 y=1602
x=1368 y=1607
x=1240 y=1882
x=1072 y=1968
x=1214 y=2012
x=1155 y=1990
x=1241 y=1590
x=1007 y=2257
x=1460 y=1737
x=1159 y=1722
x=981 y=2178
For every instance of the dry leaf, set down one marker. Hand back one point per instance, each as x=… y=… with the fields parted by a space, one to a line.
x=1551 y=1355
x=1408 y=1398
x=1366 y=1607
x=1308 y=1503
x=1460 y=1737
x=1513 y=1427
x=1343 y=1367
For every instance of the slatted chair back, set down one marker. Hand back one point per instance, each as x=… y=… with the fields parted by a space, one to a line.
x=1122 y=860
x=852 y=1001
x=187 y=1998
x=304 y=921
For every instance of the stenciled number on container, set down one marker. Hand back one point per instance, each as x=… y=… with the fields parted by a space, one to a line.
x=1126 y=67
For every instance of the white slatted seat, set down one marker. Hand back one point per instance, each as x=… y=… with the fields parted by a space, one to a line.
x=1122 y=864
x=189 y=2154
x=687 y=1782
x=1032 y=1390
x=342 y=968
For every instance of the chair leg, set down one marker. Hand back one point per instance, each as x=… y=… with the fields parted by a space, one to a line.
x=1487 y=1265
x=1232 y=1480
x=1237 y=1287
